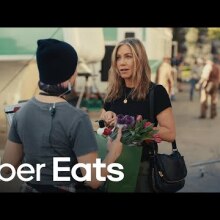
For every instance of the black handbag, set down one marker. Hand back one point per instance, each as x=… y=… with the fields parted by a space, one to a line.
x=168 y=172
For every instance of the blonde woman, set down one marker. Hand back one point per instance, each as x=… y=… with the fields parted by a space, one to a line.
x=128 y=93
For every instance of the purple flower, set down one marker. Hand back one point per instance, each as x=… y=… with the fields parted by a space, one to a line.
x=120 y=119
x=125 y=120
x=129 y=120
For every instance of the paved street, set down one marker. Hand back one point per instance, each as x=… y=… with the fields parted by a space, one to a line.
x=198 y=140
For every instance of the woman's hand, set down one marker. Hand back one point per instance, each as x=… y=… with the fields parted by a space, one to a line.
x=110 y=118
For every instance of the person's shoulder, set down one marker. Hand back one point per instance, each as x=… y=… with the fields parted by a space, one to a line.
x=77 y=111
x=23 y=106
x=156 y=87
x=159 y=89
x=152 y=85
x=75 y=115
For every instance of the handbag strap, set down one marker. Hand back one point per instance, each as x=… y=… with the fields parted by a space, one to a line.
x=152 y=118
x=152 y=103
x=154 y=146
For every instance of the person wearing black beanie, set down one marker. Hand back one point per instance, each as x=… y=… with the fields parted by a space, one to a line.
x=56 y=61
x=47 y=127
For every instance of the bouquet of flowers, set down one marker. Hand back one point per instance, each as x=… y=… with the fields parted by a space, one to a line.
x=134 y=131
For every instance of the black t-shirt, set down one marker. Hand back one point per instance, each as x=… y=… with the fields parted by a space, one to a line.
x=134 y=108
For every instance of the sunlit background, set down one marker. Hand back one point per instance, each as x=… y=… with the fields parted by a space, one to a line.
x=197 y=140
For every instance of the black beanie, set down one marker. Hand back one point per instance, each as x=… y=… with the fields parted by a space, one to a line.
x=56 y=61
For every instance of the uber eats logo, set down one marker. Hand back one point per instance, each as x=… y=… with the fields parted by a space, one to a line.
x=27 y=169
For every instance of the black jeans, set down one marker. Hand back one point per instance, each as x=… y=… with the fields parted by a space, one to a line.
x=144 y=180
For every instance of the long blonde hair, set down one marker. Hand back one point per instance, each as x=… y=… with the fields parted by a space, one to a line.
x=140 y=77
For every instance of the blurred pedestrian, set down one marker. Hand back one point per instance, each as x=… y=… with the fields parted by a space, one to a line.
x=164 y=76
x=196 y=72
x=209 y=83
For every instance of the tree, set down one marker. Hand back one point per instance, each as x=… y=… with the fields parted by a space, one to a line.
x=214 y=33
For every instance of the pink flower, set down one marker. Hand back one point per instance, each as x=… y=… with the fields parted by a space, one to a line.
x=147 y=124
x=107 y=131
x=157 y=138
x=138 y=118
